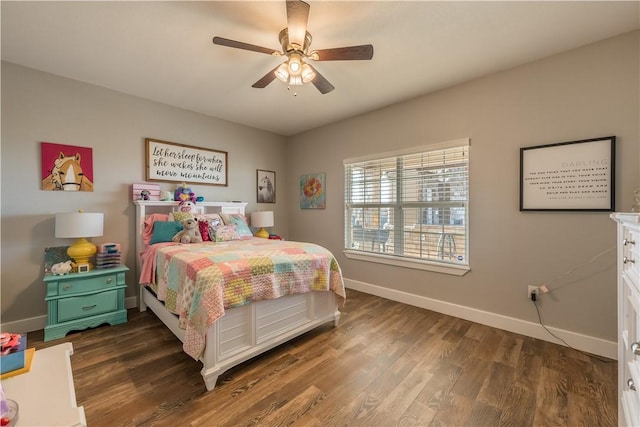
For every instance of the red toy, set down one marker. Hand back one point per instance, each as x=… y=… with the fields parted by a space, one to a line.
x=9 y=342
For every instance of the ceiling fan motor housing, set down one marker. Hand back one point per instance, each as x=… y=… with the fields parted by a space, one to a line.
x=288 y=47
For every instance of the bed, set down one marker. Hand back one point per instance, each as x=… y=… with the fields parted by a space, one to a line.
x=221 y=331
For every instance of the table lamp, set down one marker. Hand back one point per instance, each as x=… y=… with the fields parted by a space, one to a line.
x=80 y=225
x=262 y=219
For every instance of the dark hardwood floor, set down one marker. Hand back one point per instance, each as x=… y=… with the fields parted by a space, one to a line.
x=387 y=364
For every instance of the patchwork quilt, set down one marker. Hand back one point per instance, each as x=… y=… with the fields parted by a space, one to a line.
x=198 y=281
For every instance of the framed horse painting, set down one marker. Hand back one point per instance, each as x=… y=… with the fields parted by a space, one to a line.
x=66 y=167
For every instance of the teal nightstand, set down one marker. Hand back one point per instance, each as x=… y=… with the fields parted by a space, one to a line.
x=79 y=301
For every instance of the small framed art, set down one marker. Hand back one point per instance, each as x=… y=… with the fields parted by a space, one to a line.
x=312 y=191
x=569 y=176
x=66 y=167
x=266 y=186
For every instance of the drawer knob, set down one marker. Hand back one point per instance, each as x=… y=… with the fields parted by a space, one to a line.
x=631 y=385
x=89 y=307
x=66 y=287
x=109 y=280
x=626 y=260
x=635 y=348
x=626 y=242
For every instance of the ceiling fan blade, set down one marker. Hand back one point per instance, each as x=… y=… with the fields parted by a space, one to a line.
x=240 y=45
x=321 y=83
x=364 y=51
x=268 y=78
x=297 y=19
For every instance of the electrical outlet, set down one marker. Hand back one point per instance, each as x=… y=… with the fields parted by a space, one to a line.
x=533 y=290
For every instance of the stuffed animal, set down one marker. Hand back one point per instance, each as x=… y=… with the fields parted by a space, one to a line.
x=184 y=193
x=62 y=268
x=187 y=206
x=189 y=232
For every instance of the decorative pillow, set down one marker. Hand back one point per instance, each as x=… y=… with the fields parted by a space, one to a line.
x=164 y=231
x=149 y=220
x=208 y=216
x=203 y=226
x=212 y=225
x=224 y=233
x=180 y=216
x=239 y=221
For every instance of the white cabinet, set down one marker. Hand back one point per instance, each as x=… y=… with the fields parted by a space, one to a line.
x=628 y=318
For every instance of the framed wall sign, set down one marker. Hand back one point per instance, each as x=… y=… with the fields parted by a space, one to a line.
x=569 y=176
x=266 y=186
x=168 y=161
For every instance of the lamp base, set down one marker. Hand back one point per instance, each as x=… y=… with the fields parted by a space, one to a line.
x=82 y=251
x=262 y=233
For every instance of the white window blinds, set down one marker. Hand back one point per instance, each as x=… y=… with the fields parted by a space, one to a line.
x=410 y=204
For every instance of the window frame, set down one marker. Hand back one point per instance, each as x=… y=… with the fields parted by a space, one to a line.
x=402 y=260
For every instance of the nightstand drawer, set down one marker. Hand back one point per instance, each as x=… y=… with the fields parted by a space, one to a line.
x=84 y=285
x=89 y=305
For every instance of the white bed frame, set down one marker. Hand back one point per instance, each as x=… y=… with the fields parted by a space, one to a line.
x=243 y=332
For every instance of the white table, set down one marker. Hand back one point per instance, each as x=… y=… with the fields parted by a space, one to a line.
x=45 y=394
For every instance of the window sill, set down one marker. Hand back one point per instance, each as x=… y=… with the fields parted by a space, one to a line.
x=456 y=270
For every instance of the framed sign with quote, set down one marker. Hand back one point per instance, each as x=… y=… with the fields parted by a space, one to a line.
x=569 y=176
x=168 y=161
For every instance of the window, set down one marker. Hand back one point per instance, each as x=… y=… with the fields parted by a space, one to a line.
x=410 y=208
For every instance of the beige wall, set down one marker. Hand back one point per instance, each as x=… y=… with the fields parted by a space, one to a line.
x=586 y=93
x=589 y=92
x=42 y=107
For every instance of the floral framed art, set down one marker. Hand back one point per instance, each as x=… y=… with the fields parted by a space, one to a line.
x=312 y=191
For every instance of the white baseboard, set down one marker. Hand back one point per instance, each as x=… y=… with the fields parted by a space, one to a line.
x=578 y=341
x=39 y=322
x=535 y=330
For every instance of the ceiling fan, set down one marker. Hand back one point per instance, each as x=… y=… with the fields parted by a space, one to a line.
x=295 y=41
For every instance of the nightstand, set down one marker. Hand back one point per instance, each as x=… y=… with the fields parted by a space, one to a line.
x=79 y=301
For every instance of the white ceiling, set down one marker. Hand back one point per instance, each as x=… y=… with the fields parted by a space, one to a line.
x=163 y=50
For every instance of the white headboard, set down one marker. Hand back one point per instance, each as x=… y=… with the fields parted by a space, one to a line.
x=146 y=207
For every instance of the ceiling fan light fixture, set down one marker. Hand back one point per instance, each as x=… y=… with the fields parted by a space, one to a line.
x=295 y=64
x=282 y=73
x=307 y=73
x=296 y=42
